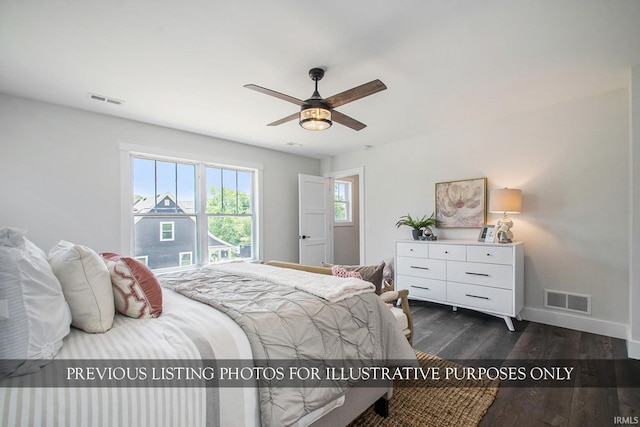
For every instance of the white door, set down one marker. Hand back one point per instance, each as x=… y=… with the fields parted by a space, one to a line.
x=316 y=219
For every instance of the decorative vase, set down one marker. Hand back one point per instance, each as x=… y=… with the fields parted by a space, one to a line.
x=416 y=234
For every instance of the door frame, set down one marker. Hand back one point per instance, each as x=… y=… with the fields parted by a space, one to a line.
x=359 y=171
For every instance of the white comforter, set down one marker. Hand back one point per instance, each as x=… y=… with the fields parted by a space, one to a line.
x=331 y=288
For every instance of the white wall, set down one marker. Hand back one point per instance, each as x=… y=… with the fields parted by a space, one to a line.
x=60 y=175
x=571 y=162
x=633 y=342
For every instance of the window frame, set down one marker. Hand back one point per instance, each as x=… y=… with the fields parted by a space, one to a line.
x=347 y=203
x=162 y=231
x=181 y=254
x=129 y=151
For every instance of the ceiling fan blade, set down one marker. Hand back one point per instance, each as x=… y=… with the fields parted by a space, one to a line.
x=347 y=121
x=285 y=120
x=358 y=92
x=278 y=95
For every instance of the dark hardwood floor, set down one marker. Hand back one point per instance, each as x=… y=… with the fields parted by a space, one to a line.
x=465 y=334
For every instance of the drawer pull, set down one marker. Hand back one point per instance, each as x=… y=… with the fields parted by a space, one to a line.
x=420 y=268
x=421 y=287
x=475 y=296
x=446 y=252
x=476 y=274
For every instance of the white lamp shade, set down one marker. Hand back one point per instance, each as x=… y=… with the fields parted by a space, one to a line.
x=505 y=200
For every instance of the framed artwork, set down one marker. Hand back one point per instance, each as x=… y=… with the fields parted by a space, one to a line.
x=461 y=204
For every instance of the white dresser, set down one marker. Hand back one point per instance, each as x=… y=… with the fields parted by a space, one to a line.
x=487 y=277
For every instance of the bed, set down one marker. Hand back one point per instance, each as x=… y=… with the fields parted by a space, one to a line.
x=204 y=322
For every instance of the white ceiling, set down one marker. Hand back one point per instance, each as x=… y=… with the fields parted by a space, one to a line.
x=182 y=64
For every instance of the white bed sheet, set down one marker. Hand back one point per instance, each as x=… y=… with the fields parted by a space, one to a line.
x=169 y=337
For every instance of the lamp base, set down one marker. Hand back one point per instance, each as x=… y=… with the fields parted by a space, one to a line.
x=505 y=236
x=504 y=233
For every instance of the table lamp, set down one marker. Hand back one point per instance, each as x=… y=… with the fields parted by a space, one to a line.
x=507 y=201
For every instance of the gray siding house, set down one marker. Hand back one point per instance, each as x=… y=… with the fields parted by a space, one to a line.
x=170 y=241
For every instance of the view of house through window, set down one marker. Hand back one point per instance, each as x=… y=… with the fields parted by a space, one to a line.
x=342 y=201
x=191 y=213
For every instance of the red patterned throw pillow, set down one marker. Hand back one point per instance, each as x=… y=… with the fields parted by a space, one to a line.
x=343 y=272
x=136 y=290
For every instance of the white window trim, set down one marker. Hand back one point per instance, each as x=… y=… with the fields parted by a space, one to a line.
x=127 y=150
x=173 y=231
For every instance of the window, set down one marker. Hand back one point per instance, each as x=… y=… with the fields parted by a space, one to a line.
x=187 y=213
x=143 y=259
x=186 y=258
x=166 y=231
x=342 y=202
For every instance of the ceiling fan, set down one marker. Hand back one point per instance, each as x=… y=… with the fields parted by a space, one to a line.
x=317 y=113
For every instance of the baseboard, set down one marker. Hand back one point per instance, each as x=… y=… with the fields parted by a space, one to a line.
x=633 y=349
x=579 y=323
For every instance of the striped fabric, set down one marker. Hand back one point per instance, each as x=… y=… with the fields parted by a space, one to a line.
x=186 y=330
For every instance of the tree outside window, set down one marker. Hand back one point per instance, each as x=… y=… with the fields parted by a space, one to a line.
x=191 y=213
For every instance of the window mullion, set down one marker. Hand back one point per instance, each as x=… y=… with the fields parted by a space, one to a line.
x=201 y=214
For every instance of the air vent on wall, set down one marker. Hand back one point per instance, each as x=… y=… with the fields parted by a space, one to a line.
x=103 y=98
x=567 y=301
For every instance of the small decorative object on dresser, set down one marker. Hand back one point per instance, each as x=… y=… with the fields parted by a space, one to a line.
x=487 y=277
x=487 y=233
x=491 y=234
x=505 y=201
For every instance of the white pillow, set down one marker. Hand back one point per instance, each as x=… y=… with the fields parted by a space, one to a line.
x=86 y=285
x=37 y=317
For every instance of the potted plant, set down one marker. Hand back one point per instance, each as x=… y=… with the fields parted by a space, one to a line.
x=418 y=224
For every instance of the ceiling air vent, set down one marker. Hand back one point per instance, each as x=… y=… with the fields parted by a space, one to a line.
x=103 y=98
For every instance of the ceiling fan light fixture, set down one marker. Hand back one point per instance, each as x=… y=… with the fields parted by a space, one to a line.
x=315 y=117
x=317 y=113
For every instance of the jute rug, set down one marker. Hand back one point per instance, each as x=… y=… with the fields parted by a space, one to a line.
x=420 y=403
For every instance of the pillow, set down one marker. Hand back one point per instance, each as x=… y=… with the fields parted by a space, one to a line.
x=370 y=273
x=86 y=285
x=34 y=317
x=136 y=289
x=342 y=272
x=387 y=271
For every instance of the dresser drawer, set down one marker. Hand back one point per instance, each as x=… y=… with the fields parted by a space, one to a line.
x=422 y=288
x=448 y=252
x=419 y=250
x=496 y=275
x=422 y=267
x=490 y=254
x=480 y=297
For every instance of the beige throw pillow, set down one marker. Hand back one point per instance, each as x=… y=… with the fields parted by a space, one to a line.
x=86 y=286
